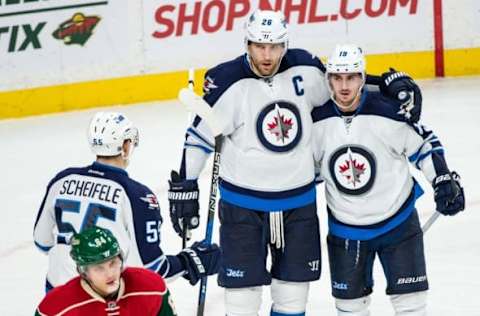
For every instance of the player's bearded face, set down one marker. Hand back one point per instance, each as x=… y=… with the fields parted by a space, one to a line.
x=346 y=87
x=104 y=277
x=265 y=58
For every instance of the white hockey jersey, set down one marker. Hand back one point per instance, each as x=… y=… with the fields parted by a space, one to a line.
x=363 y=158
x=100 y=195
x=267 y=160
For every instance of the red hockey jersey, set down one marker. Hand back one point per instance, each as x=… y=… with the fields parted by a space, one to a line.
x=142 y=293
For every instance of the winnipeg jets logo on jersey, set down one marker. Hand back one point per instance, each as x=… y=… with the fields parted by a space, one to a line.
x=279 y=126
x=353 y=169
x=152 y=201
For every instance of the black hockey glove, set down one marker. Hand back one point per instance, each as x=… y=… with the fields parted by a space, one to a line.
x=183 y=198
x=401 y=87
x=449 y=195
x=199 y=260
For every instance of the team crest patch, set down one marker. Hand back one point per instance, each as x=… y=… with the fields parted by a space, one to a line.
x=208 y=85
x=152 y=201
x=279 y=126
x=352 y=169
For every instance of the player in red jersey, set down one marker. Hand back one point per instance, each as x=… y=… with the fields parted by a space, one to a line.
x=104 y=287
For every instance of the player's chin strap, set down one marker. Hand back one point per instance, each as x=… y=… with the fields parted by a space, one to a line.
x=277 y=236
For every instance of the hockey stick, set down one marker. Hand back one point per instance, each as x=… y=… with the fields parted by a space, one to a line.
x=430 y=221
x=197 y=105
x=436 y=214
x=191 y=83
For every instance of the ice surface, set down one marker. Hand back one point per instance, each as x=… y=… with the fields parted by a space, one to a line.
x=34 y=149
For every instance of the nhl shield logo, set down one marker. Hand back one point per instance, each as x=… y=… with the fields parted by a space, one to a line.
x=279 y=126
x=352 y=169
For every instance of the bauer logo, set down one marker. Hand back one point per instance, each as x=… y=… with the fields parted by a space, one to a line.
x=410 y=280
x=76 y=30
x=231 y=273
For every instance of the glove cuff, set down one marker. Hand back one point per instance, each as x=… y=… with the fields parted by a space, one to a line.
x=183 y=185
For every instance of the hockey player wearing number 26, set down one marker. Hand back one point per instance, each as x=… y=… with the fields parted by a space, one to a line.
x=265 y=98
x=102 y=194
x=363 y=150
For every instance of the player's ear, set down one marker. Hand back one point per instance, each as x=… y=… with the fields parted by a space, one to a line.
x=126 y=148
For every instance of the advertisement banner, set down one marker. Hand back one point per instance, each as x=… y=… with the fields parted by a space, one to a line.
x=58 y=55
x=183 y=34
x=62 y=41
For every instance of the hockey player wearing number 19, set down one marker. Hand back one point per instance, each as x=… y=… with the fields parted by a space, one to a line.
x=102 y=194
x=363 y=149
x=265 y=98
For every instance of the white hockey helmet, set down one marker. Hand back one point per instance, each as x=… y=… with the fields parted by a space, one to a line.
x=347 y=58
x=266 y=26
x=108 y=131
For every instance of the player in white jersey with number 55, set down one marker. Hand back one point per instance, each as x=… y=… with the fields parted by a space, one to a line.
x=363 y=149
x=102 y=194
x=268 y=200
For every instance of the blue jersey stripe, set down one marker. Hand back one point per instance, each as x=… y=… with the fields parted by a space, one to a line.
x=155 y=265
x=273 y=313
x=195 y=134
x=42 y=248
x=266 y=194
x=414 y=157
x=366 y=233
x=425 y=155
x=268 y=204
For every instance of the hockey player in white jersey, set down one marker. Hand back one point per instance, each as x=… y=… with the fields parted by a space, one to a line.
x=102 y=194
x=265 y=98
x=363 y=149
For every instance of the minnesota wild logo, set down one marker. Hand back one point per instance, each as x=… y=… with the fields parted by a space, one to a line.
x=76 y=30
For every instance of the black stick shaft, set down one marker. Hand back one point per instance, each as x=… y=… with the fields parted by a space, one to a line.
x=211 y=217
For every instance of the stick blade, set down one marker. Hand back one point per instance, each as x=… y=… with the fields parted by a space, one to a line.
x=197 y=105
